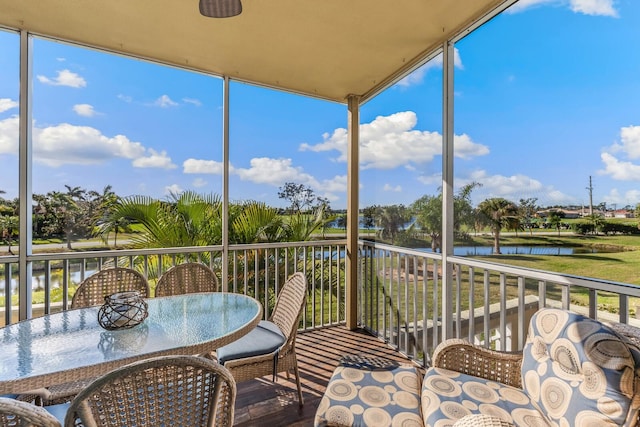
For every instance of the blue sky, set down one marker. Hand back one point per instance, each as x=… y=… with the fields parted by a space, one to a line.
x=547 y=94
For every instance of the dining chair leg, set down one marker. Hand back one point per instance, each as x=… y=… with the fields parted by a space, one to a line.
x=297 y=372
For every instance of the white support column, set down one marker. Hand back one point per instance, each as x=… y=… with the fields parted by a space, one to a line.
x=447 y=190
x=225 y=186
x=25 y=176
x=353 y=181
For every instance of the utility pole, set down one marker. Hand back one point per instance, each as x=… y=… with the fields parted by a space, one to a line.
x=590 y=188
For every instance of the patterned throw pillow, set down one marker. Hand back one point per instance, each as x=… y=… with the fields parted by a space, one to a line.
x=577 y=371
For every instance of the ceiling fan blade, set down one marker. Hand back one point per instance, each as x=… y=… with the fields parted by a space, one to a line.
x=220 y=8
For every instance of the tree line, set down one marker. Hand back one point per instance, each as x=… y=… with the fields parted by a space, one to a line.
x=191 y=219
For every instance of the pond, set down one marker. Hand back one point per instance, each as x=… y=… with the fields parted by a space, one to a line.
x=523 y=250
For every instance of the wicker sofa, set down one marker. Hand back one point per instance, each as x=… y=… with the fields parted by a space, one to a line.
x=573 y=371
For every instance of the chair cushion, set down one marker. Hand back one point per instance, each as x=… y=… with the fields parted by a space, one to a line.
x=9 y=396
x=59 y=411
x=577 y=370
x=361 y=393
x=264 y=339
x=447 y=396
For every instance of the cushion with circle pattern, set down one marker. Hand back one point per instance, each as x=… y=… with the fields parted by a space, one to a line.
x=578 y=371
x=371 y=392
x=448 y=396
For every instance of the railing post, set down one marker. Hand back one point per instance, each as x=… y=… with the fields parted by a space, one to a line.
x=225 y=187
x=351 y=291
x=25 y=177
x=447 y=190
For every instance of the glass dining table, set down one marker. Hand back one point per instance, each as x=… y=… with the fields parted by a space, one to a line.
x=72 y=346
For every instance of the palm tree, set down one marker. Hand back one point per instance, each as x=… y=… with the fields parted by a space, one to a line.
x=187 y=219
x=498 y=213
x=555 y=219
x=391 y=220
x=105 y=204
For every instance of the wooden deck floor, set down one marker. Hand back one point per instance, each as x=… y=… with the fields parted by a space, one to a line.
x=263 y=403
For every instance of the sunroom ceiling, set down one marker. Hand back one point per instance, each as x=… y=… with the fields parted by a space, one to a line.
x=324 y=48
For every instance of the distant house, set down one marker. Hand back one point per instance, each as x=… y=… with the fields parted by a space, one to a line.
x=620 y=213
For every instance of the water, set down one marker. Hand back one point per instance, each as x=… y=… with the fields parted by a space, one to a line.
x=520 y=250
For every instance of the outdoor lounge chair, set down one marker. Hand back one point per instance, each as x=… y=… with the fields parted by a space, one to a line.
x=270 y=347
x=574 y=371
x=163 y=391
x=187 y=278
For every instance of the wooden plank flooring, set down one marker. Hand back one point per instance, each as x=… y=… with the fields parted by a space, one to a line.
x=263 y=403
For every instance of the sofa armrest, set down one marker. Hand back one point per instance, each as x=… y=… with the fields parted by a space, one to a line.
x=462 y=356
x=481 y=420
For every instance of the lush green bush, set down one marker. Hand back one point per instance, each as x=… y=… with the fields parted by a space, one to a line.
x=583 y=228
x=605 y=227
x=616 y=228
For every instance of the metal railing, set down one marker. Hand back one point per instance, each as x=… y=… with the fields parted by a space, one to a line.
x=400 y=299
x=258 y=270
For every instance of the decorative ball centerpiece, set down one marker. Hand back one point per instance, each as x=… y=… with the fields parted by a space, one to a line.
x=122 y=310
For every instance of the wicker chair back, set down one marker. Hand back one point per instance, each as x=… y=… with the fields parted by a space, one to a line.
x=106 y=282
x=190 y=277
x=170 y=390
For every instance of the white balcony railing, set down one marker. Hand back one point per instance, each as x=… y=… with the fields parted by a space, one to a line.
x=400 y=299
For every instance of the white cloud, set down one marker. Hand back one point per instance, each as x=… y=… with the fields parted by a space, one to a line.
x=125 y=98
x=630 y=197
x=265 y=170
x=430 y=179
x=85 y=110
x=618 y=157
x=521 y=5
x=620 y=170
x=193 y=101
x=514 y=188
x=586 y=7
x=436 y=63
x=630 y=142
x=210 y=167
x=9 y=135
x=389 y=187
x=64 y=78
x=154 y=160
x=199 y=183
x=337 y=184
x=165 y=102
x=502 y=186
x=594 y=7
x=7 y=104
x=389 y=142
x=83 y=145
x=173 y=189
